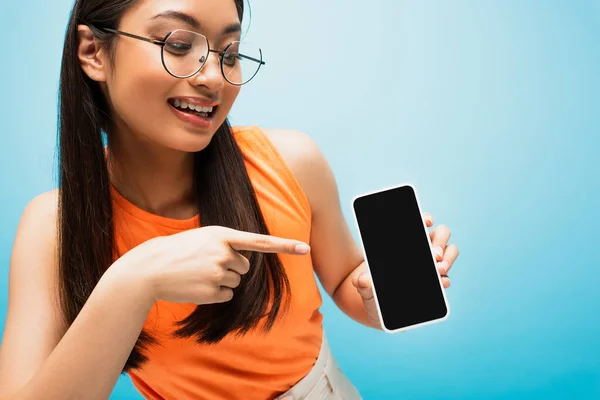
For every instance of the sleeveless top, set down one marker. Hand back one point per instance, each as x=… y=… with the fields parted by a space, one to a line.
x=256 y=365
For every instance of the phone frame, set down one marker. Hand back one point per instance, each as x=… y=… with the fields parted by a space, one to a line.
x=437 y=320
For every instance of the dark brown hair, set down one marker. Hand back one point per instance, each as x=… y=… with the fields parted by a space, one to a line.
x=224 y=193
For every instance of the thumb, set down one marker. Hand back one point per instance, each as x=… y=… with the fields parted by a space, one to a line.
x=362 y=282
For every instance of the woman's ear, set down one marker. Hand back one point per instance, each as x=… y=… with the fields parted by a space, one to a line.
x=91 y=56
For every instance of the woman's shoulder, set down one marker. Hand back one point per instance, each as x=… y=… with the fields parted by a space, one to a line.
x=295 y=147
x=304 y=158
x=284 y=138
x=43 y=207
x=39 y=219
x=35 y=251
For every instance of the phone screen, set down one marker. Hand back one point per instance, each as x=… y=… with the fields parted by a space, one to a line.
x=397 y=249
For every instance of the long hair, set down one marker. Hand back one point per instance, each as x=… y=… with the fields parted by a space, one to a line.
x=224 y=193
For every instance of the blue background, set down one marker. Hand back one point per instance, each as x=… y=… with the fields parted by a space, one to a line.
x=489 y=108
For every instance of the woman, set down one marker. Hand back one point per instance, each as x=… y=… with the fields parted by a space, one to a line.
x=113 y=271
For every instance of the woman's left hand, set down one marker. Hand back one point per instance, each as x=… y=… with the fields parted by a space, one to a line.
x=445 y=255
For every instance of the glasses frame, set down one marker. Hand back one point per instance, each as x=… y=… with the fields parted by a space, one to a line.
x=202 y=61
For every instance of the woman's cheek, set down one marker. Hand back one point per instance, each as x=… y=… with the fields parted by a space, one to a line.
x=141 y=98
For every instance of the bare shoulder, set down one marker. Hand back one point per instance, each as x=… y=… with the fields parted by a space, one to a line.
x=45 y=203
x=306 y=161
x=41 y=212
x=296 y=147
x=37 y=233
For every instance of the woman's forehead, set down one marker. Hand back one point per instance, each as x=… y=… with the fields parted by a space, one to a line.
x=199 y=15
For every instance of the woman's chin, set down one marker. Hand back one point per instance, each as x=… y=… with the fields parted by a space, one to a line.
x=191 y=141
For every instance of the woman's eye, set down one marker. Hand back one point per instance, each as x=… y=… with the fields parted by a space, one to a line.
x=178 y=48
x=230 y=59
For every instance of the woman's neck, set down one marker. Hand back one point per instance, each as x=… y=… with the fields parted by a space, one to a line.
x=154 y=178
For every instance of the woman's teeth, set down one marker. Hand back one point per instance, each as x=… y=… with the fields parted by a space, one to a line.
x=196 y=109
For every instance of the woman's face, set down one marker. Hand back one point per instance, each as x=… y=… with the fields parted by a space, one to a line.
x=143 y=94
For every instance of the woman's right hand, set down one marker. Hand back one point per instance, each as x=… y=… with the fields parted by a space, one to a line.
x=202 y=265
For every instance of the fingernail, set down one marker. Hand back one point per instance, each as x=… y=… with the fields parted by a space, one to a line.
x=302 y=248
x=444 y=266
x=438 y=250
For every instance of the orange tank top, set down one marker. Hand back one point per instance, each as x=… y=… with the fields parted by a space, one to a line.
x=254 y=366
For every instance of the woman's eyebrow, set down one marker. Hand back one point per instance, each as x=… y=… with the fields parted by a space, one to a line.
x=193 y=22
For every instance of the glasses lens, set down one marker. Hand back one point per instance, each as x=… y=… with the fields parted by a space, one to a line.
x=241 y=62
x=184 y=52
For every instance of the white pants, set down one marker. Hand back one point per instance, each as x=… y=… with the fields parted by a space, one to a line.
x=325 y=381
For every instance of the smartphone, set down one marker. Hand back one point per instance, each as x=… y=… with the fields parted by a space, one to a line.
x=395 y=242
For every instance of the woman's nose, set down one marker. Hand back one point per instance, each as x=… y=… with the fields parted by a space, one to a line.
x=210 y=75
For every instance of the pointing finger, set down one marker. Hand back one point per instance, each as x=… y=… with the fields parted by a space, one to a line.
x=239 y=240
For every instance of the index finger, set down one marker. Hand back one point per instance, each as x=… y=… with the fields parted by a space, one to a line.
x=240 y=240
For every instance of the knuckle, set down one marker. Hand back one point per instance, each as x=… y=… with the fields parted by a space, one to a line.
x=443 y=228
x=209 y=230
x=214 y=291
x=218 y=273
x=446 y=230
x=214 y=231
x=262 y=242
x=226 y=257
x=290 y=247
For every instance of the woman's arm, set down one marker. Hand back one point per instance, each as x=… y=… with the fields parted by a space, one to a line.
x=38 y=359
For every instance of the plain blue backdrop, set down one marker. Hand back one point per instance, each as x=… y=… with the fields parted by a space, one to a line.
x=489 y=108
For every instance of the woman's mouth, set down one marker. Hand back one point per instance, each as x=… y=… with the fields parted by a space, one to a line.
x=205 y=112
x=194 y=114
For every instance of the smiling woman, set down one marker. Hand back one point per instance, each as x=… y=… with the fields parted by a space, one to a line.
x=177 y=253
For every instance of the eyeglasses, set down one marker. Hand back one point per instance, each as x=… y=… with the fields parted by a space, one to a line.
x=184 y=53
